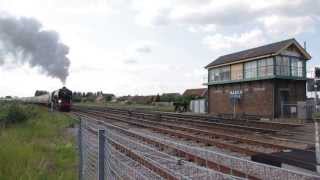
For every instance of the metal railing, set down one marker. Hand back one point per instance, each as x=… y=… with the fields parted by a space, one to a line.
x=101 y=159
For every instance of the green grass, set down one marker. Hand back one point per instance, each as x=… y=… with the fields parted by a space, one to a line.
x=131 y=106
x=316 y=115
x=39 y=148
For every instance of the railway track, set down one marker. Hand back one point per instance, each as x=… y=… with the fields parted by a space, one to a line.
x=194 y=156
x=209 y=121
x=235 y=144
x=221 y=140
x=280 y=132
x=263 y=126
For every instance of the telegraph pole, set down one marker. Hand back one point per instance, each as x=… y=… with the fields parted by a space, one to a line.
x=316 y=120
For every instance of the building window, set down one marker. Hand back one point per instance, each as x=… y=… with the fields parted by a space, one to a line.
x=250 y=70
x=283 y=66
x=265 y=67
x=296 y=67
x=220 y=74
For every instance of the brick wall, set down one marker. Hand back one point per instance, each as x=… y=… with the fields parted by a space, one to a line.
x=258 y=97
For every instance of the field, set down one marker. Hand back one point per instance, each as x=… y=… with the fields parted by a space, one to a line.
x=131 y=106
x=38 y=146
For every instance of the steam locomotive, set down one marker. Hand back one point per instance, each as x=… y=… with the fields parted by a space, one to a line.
x=60 y=99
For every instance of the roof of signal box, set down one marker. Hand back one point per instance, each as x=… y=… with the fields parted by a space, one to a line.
x=265 y=50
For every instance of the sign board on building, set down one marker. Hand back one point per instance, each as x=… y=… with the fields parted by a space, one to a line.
x=235 y=94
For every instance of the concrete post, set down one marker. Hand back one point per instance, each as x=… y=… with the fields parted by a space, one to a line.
x=101 y=154
x=51 y=106
x=317 y=145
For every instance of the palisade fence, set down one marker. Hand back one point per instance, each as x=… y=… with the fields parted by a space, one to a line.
x=300 y=110
x=289 y=110
x=102 y=159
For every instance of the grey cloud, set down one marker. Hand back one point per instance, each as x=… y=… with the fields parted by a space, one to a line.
x=25 y=40
x=131 y=61
x=231 y=15
x=236 y=14
x=1 y=55
x=144 y=49
x=87 y=68
x=297 y=8
x=162 y=18
x=196 y=2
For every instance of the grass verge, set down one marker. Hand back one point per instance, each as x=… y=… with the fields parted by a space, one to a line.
x=38 y=148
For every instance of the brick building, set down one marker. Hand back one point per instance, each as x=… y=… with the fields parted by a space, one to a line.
x=258 y=81
x=197 y=93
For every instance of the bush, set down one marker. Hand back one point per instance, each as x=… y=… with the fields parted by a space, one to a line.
x=89 y=99
x=76 y=99
x=14 y=113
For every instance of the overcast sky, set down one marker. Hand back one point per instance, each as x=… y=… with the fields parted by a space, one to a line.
x=154 y=46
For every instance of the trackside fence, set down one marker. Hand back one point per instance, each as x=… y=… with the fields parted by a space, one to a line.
x=103 y=156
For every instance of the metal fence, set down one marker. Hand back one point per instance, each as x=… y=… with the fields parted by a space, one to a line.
x=289 y=110
x=101 y=159
x=300 y=110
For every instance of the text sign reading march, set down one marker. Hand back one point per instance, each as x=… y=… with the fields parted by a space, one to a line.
x=235 y=94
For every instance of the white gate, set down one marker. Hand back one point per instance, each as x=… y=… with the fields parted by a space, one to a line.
x=198 y=106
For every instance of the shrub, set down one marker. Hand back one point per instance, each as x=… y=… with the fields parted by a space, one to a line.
x=76 y=99
x=14 y=113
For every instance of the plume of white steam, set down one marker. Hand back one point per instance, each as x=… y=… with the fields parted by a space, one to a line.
x=25 y=41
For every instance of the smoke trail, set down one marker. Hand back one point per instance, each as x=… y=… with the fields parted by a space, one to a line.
x=24 y=40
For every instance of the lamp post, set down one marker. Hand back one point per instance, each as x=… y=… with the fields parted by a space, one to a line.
x=316 y=78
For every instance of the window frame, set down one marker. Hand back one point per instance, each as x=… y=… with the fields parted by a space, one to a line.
x=250 y=72
x=220 y=74
x=267 y=69
x=297 y=67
